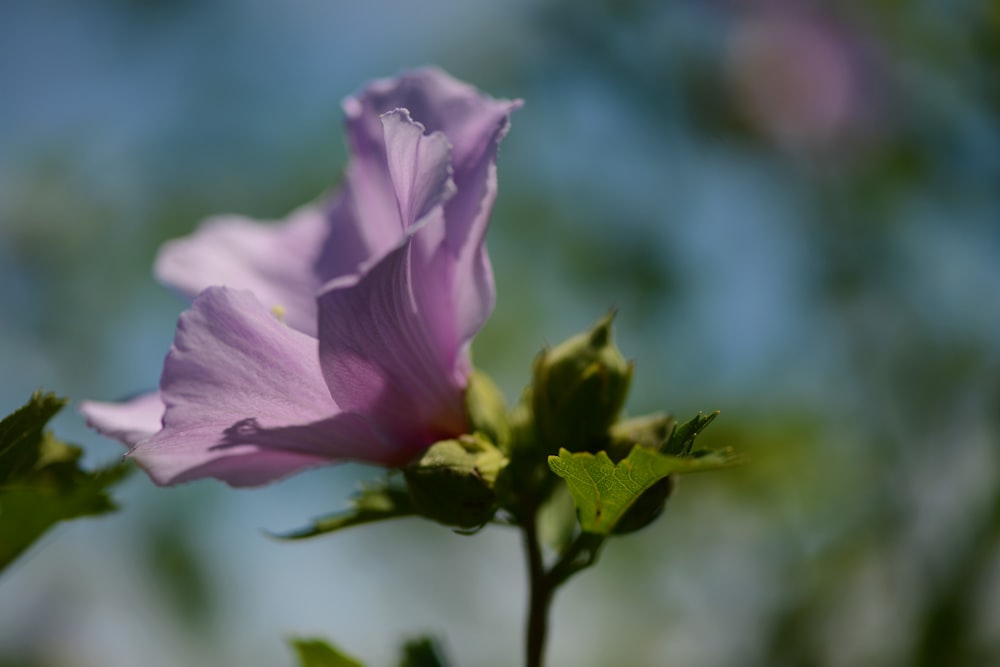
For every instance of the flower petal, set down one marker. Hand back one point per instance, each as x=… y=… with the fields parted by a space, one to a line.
x=473 y=123
x=467 y=216
x=419 y=166
x=435 y=100
x=245 y=400
x=394 y=343
x=129 y=422
x=380 y=357
x=283 y=264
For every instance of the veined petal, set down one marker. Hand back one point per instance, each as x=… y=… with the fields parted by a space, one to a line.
x=454 y=272
x=245 y=400
x=283 y=264
x=129 y=422
x=419 y=166
x=473 y=124
x=380 y=357
x=437 y=101
x=394 y=342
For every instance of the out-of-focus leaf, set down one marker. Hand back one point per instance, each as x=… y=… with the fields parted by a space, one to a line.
x=602 y=490
x=21 y=436
x=373 y=503
x=682 y=439
x=319 y=653
x=41 y=482
x=422 y=652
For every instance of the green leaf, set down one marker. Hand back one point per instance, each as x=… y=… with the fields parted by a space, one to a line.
x=422 y=652
x=682 y=439
x=21 y=436
x=318 y=653
x=377 y=502
x=41 y=482
x=602 y=490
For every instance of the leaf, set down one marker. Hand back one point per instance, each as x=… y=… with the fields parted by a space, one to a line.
x=422 y=652
x=21 y=435
x=682 y=439
x=319 y=653
x=373 y=503
x=41 y=482
x=602 y=490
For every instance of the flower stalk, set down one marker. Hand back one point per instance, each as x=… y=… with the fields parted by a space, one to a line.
x=543 y=582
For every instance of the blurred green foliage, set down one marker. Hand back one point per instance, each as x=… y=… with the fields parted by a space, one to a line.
x=41 y=482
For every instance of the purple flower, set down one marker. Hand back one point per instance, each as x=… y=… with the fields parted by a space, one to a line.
x=343 y=332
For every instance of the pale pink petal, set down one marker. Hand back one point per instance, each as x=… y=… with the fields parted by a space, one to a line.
x=245 y=400
x=129 y=422
x=473 y=123
x=380 y=356
x=283 y=264
x=419 y=166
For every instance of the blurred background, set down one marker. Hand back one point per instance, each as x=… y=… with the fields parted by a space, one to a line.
x=794 y=206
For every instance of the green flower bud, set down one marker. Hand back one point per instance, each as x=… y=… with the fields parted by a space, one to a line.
x=652 y=431
x=453 y=482
x=579 y=389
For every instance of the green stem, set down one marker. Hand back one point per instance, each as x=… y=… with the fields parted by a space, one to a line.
x=579 y=555
x=539 y=596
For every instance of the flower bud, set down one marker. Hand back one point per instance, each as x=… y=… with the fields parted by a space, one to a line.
x=579 y=389
x=453 y=482
x=652 y=431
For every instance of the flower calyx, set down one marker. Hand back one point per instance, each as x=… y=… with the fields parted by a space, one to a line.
x=453 y=482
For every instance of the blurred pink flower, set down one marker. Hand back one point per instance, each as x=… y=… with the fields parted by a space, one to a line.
x=343 y=332
x=797 y=76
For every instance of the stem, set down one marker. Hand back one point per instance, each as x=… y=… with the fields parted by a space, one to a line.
x=570 y=562
x=543 y=584
x=540 y=596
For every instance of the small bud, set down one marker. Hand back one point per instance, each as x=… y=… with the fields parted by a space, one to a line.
x=579 y=389
x=453 y=482
x=651 y=431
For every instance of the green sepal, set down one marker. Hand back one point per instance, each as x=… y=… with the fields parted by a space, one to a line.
x=319 y=653
x=41 y=482
x=603 y=490
x=454 y=482
x=486 y=408
x=422 y=652
x=375 y=502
